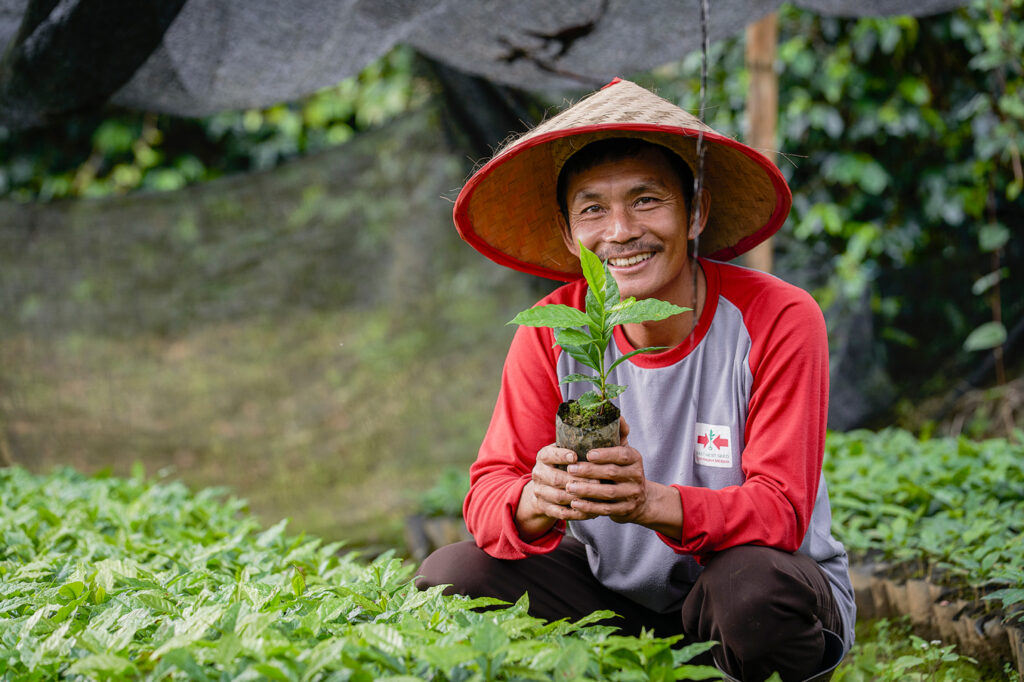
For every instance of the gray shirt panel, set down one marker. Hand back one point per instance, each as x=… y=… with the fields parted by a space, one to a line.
x=710 y=386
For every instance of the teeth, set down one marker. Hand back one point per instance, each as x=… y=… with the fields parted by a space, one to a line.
x=632 y=260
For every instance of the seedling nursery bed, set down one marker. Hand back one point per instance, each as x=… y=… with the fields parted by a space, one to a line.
x=938 y=612
x=934 y=529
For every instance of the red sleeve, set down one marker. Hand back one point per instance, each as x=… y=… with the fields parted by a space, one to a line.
x=523 y=423
x=784 y=435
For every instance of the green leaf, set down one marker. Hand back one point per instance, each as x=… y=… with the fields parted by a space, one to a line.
x=488 y=639
x=646 y=310
x=992 y=236
x=584 y=355
x=446 y=657
x=697 y=672
x=128 y=625
x=612 y=295
x=572 y=337
x=103 y=665
x=572 y=664
x=690 y=651
x=156 y=601
x=589 y=399
x=271 y=670
x=72 y=590
x=614 y=390
x=986 y=337
x=553 y=315
x=596 y=314
x=272 y=534
x=322 y=656
x=1014 y=189
x=298 y=584
x=1007 y=596
x=572 y=378
x=986 y=282
x=638 y=351
x=594 y=271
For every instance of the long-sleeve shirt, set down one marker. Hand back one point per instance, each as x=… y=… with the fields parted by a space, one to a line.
x=734 y=418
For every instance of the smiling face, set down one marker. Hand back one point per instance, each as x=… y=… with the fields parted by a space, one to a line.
x=632 y=212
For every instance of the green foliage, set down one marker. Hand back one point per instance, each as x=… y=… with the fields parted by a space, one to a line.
x=108 y=578
x=887 y=651
x=950 y=509
x=988 y=335
x=585 y=335
x=445 y=497
x=117 y=152
x=901 y=139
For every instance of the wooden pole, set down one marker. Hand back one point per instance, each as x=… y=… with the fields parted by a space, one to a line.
x=762 y=109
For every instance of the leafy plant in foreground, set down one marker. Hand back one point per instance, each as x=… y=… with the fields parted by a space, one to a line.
x=586 y=335
x=111 y=578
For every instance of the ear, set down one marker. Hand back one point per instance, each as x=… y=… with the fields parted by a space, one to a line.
x=570 y=243
x=705 y=210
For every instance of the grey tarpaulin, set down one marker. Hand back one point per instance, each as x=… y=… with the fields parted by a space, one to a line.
x=195 y=57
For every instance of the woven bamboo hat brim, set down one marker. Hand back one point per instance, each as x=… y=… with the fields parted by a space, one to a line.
x=508 y=210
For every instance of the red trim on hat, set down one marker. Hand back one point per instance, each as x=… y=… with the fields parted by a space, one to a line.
x=612 y=82
x=460 y=213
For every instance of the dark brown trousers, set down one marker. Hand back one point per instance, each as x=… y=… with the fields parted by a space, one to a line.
x=767 y=609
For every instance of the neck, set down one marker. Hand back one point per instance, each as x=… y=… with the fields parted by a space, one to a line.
x=673 y=331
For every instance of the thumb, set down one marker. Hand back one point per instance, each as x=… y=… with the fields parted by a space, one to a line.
x=623 y=430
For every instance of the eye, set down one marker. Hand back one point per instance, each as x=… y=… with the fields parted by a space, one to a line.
x=645 y=201
x=592 y=208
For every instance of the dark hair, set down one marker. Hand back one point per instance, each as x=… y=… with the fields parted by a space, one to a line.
x=617 y=149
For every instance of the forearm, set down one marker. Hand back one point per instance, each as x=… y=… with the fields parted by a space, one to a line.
x=663 y=512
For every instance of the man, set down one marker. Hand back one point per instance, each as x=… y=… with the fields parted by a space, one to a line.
x=711 y=518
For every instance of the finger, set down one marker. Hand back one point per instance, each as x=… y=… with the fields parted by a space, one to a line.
x=552 y=455
x=550 y=483
x=594 y=491
x=623 y=430
x=564 y=512
x=607 y=492
x=620 y=510
x=551 y=495
x=606 y=472
x=621 y=456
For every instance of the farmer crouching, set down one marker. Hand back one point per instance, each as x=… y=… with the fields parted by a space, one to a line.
x=711 y=518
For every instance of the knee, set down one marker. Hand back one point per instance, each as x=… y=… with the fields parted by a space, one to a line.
x=461 y=566
x=755 y=594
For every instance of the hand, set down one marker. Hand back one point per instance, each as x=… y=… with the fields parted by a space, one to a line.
x=544 y=499
x=610 y=483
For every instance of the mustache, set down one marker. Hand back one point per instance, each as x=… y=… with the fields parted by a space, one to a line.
x=634 y=246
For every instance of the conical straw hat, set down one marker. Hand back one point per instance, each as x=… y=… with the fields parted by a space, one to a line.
x=508 y=210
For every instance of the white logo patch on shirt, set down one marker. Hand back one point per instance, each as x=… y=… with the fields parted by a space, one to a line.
x=714 y=446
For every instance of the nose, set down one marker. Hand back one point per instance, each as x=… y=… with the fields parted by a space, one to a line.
x=623 y=226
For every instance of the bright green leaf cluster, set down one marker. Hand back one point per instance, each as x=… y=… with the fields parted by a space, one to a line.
x=111 y=578
x=585 y=335
x=951 y=509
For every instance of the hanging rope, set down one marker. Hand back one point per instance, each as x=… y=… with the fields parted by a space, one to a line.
x=698 y=180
